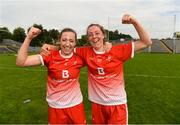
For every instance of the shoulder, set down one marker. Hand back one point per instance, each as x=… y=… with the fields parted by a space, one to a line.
x=122 y=45
x=83 y=49
x=54 y=52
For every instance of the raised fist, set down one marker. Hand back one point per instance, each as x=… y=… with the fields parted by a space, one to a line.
x=128 y=19
x=33 y=32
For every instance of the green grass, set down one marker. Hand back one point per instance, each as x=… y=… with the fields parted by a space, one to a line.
x=152 y=86
x=154 y=98
x=18 y=85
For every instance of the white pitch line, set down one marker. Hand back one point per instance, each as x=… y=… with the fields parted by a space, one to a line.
x=154 y=76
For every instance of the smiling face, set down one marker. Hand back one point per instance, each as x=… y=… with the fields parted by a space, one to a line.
x=95 y=36
x=67 y=42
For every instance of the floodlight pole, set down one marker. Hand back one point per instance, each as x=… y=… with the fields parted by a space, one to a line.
x=174 y=37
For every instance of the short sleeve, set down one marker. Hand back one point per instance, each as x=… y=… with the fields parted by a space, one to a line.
x=45 y=59
x=81 y=52
x=124 y=51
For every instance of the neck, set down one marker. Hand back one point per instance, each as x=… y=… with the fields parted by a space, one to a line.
x=99 y=49
x=65 y=55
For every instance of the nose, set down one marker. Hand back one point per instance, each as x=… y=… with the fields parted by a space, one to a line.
x=67 y=43
x=93 y=35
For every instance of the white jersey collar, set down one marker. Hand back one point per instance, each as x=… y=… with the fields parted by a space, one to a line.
x=66 y=57
x=97 y=52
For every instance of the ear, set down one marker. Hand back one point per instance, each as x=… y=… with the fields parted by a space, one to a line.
x=105 y=37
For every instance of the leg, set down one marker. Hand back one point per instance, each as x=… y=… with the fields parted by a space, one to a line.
x=98 y=115
x=118 y=115
x=76 y=114
x=56 y=116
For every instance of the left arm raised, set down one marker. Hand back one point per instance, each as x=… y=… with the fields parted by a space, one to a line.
x=145 y=40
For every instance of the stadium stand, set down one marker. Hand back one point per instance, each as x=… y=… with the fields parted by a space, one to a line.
x=10 y=46
x=178 y=46
x=170 y=44
x=4 y=49
x=158 y=46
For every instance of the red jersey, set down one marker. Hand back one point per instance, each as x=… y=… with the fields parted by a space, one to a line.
x=105 y=73
x=63 y=89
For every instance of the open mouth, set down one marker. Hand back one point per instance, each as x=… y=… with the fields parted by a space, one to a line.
x=95 y=40
x=67 y=49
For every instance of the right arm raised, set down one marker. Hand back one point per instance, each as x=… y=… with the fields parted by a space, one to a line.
x=22 y=58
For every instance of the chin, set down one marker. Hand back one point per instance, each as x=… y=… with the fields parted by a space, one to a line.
x=97 y=45
x=68 y=53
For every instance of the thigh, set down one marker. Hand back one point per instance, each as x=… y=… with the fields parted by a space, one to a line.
x=77 y=114
x=56 y=116
x=98 y=115
x=119 y=115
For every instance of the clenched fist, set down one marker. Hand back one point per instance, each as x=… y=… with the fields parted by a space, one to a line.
x=33 y=32
x=128 y=19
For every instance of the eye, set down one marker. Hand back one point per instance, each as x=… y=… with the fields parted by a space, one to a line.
x=97 y=33
x=72 y=41
x=89 y=34
x=63 y=39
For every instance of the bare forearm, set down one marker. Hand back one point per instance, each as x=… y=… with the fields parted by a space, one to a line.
x=23 y=52
x=22 y=58
x=143 y=34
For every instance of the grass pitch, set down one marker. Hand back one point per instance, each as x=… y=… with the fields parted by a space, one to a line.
x=152 y=86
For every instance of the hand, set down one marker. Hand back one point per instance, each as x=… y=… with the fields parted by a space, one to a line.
x=128 y=19
x=45 y=49
x=33 y=32
x=108 y=46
